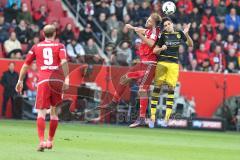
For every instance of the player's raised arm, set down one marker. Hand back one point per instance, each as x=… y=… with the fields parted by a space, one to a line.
x=189 y=40
x=139 y=29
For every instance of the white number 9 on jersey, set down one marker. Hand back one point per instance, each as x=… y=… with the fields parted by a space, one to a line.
x=48 y=56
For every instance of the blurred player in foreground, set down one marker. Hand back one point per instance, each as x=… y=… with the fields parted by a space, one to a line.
x=142 y=72
x=167 y=69
x=50 y=58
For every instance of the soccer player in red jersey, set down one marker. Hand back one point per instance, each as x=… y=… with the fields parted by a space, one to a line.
x=52 y=65
x=144 y=71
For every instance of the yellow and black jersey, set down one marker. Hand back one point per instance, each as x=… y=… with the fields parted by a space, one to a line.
x=172 y=41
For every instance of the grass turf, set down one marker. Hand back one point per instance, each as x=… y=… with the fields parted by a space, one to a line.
x=18 y=141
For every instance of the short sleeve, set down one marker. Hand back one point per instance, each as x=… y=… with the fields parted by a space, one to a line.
x=30 y=56
x=62 y=52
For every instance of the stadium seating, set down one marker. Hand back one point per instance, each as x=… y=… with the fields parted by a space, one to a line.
x=52 y=5
x=37 y=3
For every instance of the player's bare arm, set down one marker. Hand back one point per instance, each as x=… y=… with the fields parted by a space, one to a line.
x=141 y=30
x=23 y=71
x=148 y=41
x=65 y=68
x=189 y=39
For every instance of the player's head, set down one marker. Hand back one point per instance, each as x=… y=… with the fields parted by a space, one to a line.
x=167 y=24
x=49 y=31
x=153 y=20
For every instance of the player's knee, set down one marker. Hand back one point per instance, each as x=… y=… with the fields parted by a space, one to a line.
x=42 y=113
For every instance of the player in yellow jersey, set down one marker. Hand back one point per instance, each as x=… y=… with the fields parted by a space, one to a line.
x=167 y=69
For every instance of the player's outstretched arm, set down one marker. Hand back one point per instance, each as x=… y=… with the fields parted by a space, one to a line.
x=189 y=39
x=23 y=71
x=139 y=29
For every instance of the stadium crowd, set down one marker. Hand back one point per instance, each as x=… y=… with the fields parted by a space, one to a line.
x=215 y=30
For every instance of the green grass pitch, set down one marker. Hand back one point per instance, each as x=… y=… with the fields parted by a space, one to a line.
x=18 y=141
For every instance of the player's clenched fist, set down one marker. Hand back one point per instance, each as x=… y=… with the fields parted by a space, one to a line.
x=19 y=87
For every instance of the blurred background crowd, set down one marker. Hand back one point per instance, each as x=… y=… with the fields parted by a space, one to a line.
x=215 y=30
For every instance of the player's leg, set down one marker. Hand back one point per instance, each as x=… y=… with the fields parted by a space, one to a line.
x=41 y=125
x=146 y=80
x=42 y=104
x=160 y=76
x=171 y=80
x=52 y=127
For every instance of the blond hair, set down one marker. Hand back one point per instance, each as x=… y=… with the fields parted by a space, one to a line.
x=49 y=30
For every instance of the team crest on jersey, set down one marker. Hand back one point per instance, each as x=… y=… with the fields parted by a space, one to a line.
x=178 y=36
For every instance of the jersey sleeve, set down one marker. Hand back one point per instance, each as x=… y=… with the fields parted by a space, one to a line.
x=160 y=40
x=30 y=56
x=62 y=52
x=183 y=37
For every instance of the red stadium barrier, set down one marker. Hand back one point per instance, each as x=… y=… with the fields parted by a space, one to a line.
x=204 y=87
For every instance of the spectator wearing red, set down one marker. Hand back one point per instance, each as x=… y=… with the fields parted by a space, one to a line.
x=187 y=5
x=40 y=16
x=209 y=31
x=217 y=59
x=230 y=43
x=31 y=82
x=208 y=17
x=201 y=54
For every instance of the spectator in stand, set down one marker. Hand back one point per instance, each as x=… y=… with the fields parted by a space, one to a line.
x=222 y=30
x=232 y=57
x=75 y=52
x=111 y=53
x=183 y=57
x=25 y=14
x=232 y=19
x=129 y=10
x=195 y=16
x=9 y=80
x=231 y=68
x=112 y=23
x=58 y=28
x=31 y=82
x=11 y=13
x=114 y=36
x=221 y=11
x=40 y=16
x=102 y=7
x=208 y=17
x=4 y=27
x=234 y=4
x=124 y=34
x=209 y=31
x=182 y=18
x=186 y=5
x=117 y=8
x=218 y=42
x=11 y=2
x=13 y=47
x=67 y=35
x=145 y=11
x=230 y=44
x=35 y=40
x=102 y=21
x=86 y=34
x=201 y=54
x=22 y=32
x=205 y=66
x=124 y=54
x=88 y=9
x=92 y=52
x=217 y=59
x=193 y=65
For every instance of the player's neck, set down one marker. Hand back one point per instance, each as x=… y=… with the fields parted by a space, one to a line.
x=49 y=39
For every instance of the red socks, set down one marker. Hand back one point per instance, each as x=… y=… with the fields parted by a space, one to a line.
x=41 y=128
x=52 y=127
x=143 y=106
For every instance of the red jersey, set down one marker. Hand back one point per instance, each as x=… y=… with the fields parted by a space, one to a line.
x=145 y=52
x=48 y=55
x=32 y=79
